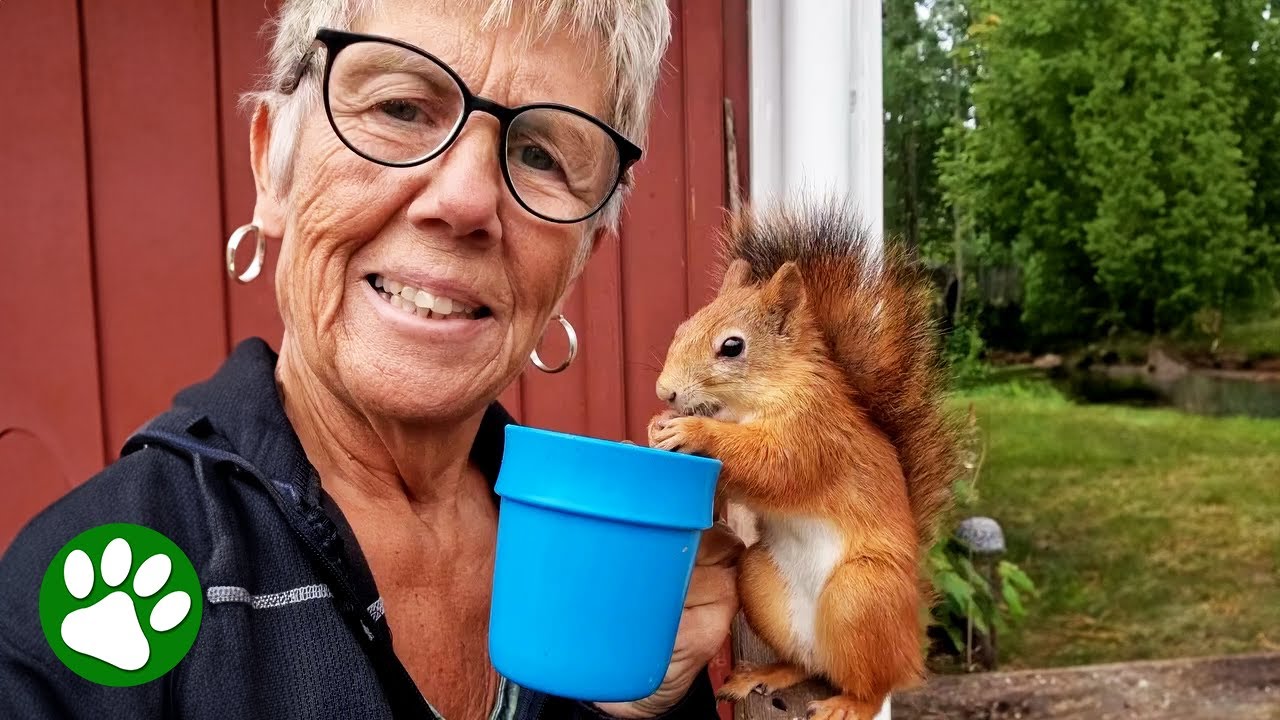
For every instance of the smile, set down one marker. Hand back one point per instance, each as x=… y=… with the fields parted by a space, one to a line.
x=416 y=301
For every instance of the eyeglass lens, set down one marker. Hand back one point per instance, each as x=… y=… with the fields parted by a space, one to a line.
x=397 y=106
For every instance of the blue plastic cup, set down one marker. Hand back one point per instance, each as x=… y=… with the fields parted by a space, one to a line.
x=596 y=545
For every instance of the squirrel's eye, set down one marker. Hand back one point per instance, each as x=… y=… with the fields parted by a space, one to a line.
x=732 y=347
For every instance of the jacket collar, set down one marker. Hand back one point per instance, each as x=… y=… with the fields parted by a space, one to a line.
x=241 y=403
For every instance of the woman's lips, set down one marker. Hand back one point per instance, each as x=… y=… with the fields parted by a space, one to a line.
x=421 y=303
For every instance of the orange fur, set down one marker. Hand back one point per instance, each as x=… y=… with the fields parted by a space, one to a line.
x=766 y=679
x=763 y=598
x=829 y=413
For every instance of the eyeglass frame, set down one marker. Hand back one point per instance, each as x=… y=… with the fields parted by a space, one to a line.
x=335 y=41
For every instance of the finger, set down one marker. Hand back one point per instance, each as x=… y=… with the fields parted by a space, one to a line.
x=658 y=434
x=702 y=631
x=656 y=437
x=672 y=422
x=711 y=584
x=719 y=545
x=668 y=440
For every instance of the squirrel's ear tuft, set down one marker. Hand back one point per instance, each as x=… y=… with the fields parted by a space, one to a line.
x=783 y=294
x=736 y=275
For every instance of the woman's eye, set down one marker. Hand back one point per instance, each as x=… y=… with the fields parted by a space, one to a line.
x=732 y=347
x=400 y=110
x=537 y=158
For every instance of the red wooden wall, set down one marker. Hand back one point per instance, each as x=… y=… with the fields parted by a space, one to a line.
x=124 y=167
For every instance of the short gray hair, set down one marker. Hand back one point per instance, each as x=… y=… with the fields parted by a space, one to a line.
x=634 y=35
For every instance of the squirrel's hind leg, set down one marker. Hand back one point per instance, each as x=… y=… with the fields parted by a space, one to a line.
x=765 y=679
x=763 y=596
x=869 y=634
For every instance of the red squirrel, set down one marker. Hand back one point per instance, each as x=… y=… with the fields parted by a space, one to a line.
x=814 y=377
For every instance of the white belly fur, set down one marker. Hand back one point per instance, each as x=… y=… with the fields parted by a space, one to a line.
x=806 y=551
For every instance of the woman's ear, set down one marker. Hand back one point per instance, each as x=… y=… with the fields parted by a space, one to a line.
x=599 y=235
x=268 y=211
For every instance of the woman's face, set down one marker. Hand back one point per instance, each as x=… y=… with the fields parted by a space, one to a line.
x=448 y=227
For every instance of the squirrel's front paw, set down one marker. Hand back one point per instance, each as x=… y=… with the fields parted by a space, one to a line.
x=678 y=433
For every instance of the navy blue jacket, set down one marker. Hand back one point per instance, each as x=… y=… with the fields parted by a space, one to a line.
x=292 y=624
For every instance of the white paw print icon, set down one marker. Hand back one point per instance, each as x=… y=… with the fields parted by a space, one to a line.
x=110 y=630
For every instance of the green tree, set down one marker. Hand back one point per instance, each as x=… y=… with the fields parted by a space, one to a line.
x=1016 y=172
x=1157 y=138
x=1248 y=33
x=917 y=112
x=1110 y=158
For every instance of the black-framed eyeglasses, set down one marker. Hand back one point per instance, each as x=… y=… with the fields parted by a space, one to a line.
x=397 y=105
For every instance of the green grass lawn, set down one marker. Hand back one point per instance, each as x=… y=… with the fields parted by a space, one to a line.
x=1151 y=533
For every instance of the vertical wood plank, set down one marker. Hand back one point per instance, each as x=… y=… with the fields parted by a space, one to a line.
x=704 y=144
x=654 y=281
x=602 y=315
x=737 y=83
x=242 y=51
x=152 y=115
x=50 y=403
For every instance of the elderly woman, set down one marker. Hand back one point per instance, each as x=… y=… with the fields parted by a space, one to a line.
x=437 y=175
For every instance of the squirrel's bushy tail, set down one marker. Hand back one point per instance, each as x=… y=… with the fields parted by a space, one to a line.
x=875 y=306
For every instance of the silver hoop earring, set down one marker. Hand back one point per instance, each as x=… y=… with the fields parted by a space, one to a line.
x=573 y=350
x=259 y=253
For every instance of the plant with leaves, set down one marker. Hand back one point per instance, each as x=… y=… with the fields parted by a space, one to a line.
x=974 y=606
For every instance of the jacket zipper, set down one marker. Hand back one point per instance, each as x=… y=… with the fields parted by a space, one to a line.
x=349 y=604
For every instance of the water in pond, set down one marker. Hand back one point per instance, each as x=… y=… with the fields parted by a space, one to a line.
x=1195 y=391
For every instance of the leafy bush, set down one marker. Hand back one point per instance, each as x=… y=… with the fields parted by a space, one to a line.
x=963 y=353
x=975 y=605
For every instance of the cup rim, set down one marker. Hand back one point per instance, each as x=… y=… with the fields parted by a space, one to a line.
x=667 y=455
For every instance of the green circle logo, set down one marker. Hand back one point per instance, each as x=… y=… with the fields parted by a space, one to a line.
x=120 y=604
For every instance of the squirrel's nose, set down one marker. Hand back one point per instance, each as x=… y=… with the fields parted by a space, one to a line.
x=665 y=394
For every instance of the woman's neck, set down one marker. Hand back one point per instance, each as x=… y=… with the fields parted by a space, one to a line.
x=381 y=459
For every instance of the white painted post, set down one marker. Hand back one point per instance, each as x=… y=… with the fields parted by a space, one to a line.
x=815 y=75
x=817 y=109
x=766 y=98
x=866 y=128
x=866 y=85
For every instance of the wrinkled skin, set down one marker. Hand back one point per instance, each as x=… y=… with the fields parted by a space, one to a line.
x=386 y=406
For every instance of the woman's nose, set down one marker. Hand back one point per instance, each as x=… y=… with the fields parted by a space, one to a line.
x=464 y=185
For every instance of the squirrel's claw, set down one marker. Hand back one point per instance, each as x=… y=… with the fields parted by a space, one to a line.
x=673 y=432
x=765 y=680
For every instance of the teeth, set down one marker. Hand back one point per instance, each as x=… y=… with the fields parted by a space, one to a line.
x=416 y=301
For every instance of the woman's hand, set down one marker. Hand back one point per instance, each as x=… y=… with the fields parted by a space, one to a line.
x=709 y=609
